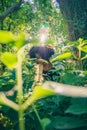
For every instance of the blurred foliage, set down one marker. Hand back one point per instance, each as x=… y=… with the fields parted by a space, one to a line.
x=33 y=14
x=56 y=112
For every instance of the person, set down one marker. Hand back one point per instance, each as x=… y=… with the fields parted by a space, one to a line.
x=44 y=53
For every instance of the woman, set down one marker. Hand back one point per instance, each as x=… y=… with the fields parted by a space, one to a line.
x=43 y=55
x=42 y=52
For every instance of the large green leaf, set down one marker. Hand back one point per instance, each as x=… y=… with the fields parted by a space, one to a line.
x=62 y=56
x=9 y=59
x=66 y=122
x=77 y=109
x=74 y=78
x=6 y=37
x=84 y=48
x=40 y=92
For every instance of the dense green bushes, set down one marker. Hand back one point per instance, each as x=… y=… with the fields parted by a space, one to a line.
x=18 y=110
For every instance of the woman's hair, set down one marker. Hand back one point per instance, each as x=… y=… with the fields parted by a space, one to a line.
x=44 y=52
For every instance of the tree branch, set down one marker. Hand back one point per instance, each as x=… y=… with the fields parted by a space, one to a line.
x=10 y=10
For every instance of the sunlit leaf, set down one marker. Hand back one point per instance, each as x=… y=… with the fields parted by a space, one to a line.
x=50 y=41
x=80 y=40
x=20 y=41
x=84 y=48
x=40 y=92
x=85 y=72
x=6 y=37
x=62 y=56
x=9 y=59
x=2 y=98
x=76 y=43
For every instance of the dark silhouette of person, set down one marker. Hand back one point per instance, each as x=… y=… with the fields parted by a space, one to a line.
x=45 y=53
x=42 y=52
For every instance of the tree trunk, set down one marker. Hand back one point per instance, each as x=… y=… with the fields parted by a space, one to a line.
x=75 y=15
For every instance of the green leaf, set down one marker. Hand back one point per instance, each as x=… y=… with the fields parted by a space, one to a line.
x=2 y=98
x=6 y=37
x=50 y=42
x=45 y=122
x=66 y=122
x=62 y=56
x=6 y=83
x=75 y=43
x=84 y=48
x=20 y=41
x=85 y=72
x=77 y=109
x=40 y=92
x=74 y=78
x=80 y=40
x=34 y=41
x=9 y=59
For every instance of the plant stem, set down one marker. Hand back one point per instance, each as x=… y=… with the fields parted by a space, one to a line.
x=21 y=120
x=36 y=112
x=20 y=93
x=80 y=62
x=38 y=117
x=83 y=58
x=8 y=102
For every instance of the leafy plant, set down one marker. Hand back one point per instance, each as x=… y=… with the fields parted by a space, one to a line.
x=79 y=52
x=15 y=62
x=55 y=112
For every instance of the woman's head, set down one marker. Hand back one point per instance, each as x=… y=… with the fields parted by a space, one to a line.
x=43 y=52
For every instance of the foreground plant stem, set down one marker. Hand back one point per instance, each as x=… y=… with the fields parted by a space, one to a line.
x=8 y=102
x=20 y=93
x=38 y=117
